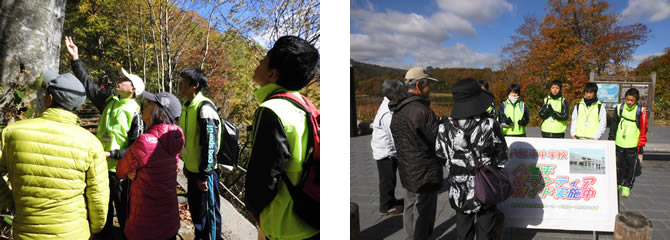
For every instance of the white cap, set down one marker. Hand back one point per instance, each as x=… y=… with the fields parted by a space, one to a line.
x=136 y=80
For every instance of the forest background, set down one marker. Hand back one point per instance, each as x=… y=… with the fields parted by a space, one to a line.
x=567 y=43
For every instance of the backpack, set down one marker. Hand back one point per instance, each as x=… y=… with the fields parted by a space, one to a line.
x=637 y=115
x=229 y=148
x=305 y=193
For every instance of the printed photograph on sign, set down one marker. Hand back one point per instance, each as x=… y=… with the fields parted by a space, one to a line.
x=587 y=161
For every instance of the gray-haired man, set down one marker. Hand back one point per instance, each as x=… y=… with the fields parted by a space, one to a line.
x=383 y=149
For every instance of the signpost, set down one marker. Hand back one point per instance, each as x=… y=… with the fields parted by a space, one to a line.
x=612 y=91
x=561 y=184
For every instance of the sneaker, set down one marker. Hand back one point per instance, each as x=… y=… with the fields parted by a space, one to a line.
x=625 y=191
x=394 y=211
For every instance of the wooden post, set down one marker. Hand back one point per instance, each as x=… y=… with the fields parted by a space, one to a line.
x=354 y=221
x=632 y=226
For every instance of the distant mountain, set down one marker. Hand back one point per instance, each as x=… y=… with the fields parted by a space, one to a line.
x=369 y=77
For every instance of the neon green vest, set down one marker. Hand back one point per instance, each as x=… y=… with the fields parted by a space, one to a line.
x=189 y=124
x=114 y=125
x=551 y=125
x=515 y=112
x=588 y=120
x=278 y=220
x=490 y=110
x=627 y=134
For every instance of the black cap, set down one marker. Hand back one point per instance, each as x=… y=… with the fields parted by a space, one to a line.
x=469 y=99
x=169 y=102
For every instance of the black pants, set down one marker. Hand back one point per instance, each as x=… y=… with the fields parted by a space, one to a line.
x=626 y=164
x=387 y=181
x=487 y=219
x=205 y=207
x=553 y=135
x=118 y=200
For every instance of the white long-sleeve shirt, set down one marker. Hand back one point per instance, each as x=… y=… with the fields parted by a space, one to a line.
x=601 y=128
x=382 y=140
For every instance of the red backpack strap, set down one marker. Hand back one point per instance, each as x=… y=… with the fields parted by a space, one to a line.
x=313 y=118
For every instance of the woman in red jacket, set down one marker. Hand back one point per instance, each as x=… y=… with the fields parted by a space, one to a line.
x=151 y=162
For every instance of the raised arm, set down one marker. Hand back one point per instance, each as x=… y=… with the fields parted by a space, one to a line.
x=93 y=92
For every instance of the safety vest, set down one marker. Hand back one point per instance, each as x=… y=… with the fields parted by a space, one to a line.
x=515 y=112
x=188 y=122
x=627 y=133
x=551 y=125
x=588 y=119
x=115 y=121
x=490 y=110
x=278 y=220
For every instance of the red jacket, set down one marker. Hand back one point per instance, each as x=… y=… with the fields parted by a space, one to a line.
x=153 y=203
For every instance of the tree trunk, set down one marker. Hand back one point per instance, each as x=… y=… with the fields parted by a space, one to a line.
x=629 y=225
x=30 y=37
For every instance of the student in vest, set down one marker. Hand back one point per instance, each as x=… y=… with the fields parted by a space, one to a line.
x=629 y=130
x=201 y=125
x=280 y=135
x=120 y=124
x=554 y=111
x=491 y=110
x=589 y=118
x=513 y=113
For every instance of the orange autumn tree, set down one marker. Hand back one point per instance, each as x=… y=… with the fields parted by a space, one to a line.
x=573 y=38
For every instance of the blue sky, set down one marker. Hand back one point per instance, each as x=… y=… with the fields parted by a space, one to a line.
x=470 y=33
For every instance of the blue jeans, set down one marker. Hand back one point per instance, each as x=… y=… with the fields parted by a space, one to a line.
x=204 y=206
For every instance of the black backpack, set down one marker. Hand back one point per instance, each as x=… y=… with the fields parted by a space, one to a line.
x=229 y=150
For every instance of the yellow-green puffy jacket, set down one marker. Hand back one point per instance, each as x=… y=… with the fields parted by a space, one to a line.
x=58 y=175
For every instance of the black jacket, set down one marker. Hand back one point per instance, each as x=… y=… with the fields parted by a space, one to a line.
x=414 y=128
x=99 y=99
x=270 y=152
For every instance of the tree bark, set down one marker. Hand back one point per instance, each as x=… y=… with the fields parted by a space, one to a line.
x=30 y=36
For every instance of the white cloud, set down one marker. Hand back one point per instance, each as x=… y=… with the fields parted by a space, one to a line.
x=390 y=38
x=652 y=10
x=366 y=4
x=640 y=58
x=478 y=11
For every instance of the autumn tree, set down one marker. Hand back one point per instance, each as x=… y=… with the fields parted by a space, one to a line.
x=573 y=38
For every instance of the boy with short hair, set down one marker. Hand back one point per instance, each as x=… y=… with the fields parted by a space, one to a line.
x=513 y=116
x=629 y=130
x=554 y=111
x=589 y=118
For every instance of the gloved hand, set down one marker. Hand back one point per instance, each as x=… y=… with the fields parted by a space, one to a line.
x=508 y=121
x=640 y=150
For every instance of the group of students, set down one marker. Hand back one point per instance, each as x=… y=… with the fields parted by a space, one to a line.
x=408 y=138
x=628 y=127
x=66 y=183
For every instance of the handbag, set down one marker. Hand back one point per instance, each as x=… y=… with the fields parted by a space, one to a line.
x=491 y=184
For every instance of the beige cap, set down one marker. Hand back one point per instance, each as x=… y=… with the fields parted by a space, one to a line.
x=417 y=73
